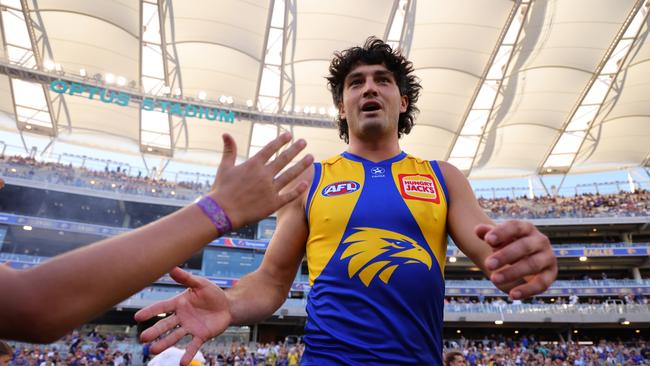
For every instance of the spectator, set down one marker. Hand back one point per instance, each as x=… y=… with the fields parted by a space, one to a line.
x=6 y=354
x=454 y=358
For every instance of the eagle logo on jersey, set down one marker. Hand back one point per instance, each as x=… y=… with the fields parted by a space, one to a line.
x=379 y=252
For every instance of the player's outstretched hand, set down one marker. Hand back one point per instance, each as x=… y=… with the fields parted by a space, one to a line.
x=201 y=311
x=522 y=263
x=251 y=191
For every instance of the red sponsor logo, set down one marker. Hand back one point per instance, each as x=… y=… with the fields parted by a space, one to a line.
x=419 y=187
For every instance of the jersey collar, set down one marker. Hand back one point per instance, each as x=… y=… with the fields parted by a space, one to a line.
x=358 y=158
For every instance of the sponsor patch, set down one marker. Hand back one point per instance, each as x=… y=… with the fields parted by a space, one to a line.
x=419 y=187
x=340 y=188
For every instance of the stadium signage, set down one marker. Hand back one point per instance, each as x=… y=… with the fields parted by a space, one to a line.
x=599 y=252
x=148 y=104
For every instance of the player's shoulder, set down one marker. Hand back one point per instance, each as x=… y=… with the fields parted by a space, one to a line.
x=415 y=159
x=332 y=160
x=449 y=171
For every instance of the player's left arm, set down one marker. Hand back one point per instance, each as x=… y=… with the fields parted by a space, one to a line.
x=514 y=255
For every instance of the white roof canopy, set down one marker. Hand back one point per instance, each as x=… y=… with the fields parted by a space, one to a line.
x=228 y=55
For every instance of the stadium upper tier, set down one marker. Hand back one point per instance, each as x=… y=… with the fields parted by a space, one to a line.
x=56 y=176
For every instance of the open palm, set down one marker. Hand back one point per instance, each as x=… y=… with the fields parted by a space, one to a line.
x=201 y=311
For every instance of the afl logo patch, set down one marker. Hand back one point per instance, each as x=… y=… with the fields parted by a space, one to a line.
x=419 y=187
x=340 y=188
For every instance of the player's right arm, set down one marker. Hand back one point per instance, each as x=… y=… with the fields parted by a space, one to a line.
x=205 y=311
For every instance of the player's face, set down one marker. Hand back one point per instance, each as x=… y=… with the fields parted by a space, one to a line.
x=371 y=102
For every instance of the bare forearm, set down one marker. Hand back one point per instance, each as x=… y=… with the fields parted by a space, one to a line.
x=100 y=275
x=256 y=297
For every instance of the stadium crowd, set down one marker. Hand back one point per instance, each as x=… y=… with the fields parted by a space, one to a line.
x=526 y=350
x=110 y=350
x=78 y=350
x=495 y=350
x=568 y=300
x=120 y=181
x=262 y=354
x=583 y=205
x=115 y=180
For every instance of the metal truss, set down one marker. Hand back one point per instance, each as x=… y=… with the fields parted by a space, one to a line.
x=281 y=95
x=172 y=68
x=587 y=126
x=165 y=153
x=40 y=49
x=262 y=100
x=262 y=58
x=171 y=77
x=406 y=39
x=284 y=98
x=391 y=20
x=144 y=147
x=402 y=17
x=287 y=83
x=57 y=107
x=519 y=7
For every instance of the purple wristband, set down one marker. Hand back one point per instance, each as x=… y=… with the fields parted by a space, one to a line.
x=215 y=213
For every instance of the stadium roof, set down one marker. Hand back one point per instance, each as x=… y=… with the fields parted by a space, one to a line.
x=510 y=88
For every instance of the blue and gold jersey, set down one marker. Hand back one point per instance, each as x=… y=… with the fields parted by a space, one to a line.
x=376 y=255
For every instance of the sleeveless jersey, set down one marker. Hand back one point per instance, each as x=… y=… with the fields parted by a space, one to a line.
x=376 y=252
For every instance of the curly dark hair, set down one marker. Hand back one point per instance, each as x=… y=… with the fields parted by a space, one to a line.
x=375 y=52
